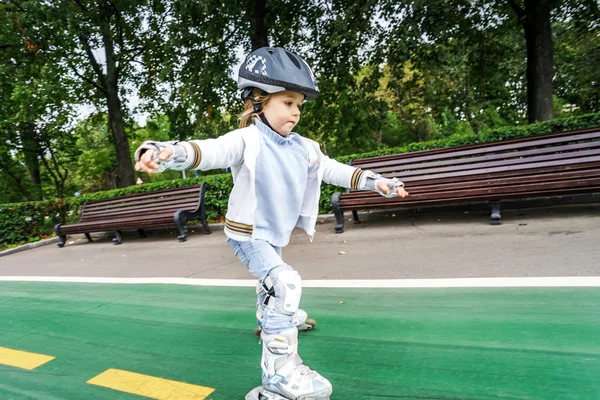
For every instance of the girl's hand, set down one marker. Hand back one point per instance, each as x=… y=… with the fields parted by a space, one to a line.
x=147 y=161
x=399 y=189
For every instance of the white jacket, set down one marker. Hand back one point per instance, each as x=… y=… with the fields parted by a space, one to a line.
x=239 y=150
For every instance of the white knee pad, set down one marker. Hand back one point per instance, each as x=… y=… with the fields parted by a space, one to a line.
x=283 y=287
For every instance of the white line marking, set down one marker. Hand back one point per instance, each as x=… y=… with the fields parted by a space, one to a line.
x=562 y=281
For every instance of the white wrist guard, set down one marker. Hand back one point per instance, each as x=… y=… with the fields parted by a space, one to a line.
x=179 y=154
x=371 y=179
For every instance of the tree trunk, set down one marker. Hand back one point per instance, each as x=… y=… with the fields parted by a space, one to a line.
x=115 y=116
x=259 y=33
x=117 y=127
x=108 y=85
x=540 y=63
x=31 y=152
x=15 y=178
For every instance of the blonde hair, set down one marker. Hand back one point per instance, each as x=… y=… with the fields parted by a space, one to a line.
x=247 y=117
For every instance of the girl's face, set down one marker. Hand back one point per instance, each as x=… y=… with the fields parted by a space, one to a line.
x=283 y=111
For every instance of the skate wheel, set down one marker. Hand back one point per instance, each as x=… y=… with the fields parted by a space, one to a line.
x=310 y=324
x=257 y=330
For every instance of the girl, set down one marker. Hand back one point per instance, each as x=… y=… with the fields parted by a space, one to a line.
x=277 y=177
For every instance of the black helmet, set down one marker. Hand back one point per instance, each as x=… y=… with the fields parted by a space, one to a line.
x=274 y=69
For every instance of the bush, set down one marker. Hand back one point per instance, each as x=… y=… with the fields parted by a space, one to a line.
x=25 y=222
x=20 y=222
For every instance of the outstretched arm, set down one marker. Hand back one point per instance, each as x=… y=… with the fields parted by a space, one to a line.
x=223 y=152
x=350 y=177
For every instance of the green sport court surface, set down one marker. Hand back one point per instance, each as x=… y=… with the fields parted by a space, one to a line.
x=393 y=343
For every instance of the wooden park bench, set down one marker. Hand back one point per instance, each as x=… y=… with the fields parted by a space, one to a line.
x=139 y=211
x=538 y=166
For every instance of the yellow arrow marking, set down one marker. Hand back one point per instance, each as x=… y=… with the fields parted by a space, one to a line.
x=149 y=386
x=22 y=359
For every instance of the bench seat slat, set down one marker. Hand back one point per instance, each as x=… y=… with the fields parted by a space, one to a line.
x=474 y=198
x=559 y=164
x=524 y=163
x=449 y=178
x=512 y=156
x=466 y=193
x=141 y=201
x=543 y=165
x=118 y=222
x=138 y=196
x=469 y=150
x=168 y=200
x=169 y=207
x=140 y=214
x=135 y=224
x=184 y=204
x=486 y=183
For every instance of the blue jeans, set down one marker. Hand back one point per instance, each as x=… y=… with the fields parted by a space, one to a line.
x=260 y=257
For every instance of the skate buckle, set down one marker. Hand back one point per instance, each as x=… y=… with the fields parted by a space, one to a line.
x=261 y=393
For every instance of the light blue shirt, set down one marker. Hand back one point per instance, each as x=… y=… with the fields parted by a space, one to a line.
x=281 y=177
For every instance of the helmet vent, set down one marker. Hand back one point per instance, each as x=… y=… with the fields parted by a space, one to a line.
x=294 y=59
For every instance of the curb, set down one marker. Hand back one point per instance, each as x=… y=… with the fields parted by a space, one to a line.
x=45 y=242
x=587 y=199
x=29 y=246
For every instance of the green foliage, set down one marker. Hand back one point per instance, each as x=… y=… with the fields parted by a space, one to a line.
x=390 y=74
x=577 y=55
x=97 y=162
x=22 y=221
x=491 y=135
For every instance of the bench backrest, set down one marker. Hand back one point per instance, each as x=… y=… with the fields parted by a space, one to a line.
x=162 y=202
x=541 y=154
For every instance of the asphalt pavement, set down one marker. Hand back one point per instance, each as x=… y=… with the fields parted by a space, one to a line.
x=540 y=242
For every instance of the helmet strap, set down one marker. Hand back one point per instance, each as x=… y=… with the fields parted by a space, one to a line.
x=247 y=94
x=264 y=121
x=256 y=105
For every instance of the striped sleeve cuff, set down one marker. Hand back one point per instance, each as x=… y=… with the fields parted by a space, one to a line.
x=356 y=179
x=238 y=228
x=194 y=155
x=197 y=155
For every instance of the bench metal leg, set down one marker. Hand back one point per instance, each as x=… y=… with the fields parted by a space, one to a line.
x=496 y=218
x=205 y=225
x=61 y=236
x=142 y=233
x=201 y=212
x=355 y=215
x=117 y=238
x=337 y=211
x=181 y=218
x=89 y=238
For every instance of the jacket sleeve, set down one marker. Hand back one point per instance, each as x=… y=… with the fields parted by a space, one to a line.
x=338 y=174
x=222 y=152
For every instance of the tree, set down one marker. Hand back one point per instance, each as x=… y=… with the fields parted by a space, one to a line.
x=14 y=186
x=335 y=40
x=197 y=90
x=34 y=123
x=462 y=60
x=259 y=36
x=577 y=52
x=534 y=16
x=96 y=48
x=17 y=116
